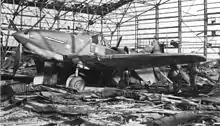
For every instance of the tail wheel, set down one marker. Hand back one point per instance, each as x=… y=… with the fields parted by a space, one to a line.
x=76 y=83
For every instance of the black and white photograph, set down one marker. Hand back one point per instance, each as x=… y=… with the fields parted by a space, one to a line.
x=110 y=63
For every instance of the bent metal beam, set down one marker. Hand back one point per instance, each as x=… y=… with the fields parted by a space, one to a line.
x=76 y=7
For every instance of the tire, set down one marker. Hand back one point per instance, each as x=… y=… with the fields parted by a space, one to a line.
x=76 y=83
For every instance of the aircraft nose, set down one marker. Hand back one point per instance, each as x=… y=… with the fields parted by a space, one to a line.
x=21 y=37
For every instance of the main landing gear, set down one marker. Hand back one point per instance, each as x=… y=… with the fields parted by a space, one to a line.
x=50 y=73
x=125 y=79
x=76 y=82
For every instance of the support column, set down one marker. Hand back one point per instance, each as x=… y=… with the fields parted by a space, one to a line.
x=179 y=26
x=118 y=32
x=102 y=24
x=136 y=32
x=73 y=20
x=40 y=16
x=1 y=36
x=58 y=20
x=157 y=22
x=193 y=73
x=21 y=28
x=205 y=28
x=102 y=29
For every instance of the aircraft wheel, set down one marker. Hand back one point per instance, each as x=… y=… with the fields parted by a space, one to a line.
x=76 y=83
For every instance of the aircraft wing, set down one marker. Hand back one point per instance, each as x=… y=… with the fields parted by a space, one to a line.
x=137 y=61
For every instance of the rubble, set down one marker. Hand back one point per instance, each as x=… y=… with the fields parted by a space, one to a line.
x=28 y=104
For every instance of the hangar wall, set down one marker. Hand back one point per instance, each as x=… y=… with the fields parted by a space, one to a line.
x=188 y=30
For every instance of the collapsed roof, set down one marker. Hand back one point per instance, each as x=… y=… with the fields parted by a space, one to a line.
x=69 y=5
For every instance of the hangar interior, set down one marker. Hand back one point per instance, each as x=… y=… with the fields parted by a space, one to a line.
x=184 y=26
x=64 y=75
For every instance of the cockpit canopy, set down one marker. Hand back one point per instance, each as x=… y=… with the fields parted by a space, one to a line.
x=100 y=40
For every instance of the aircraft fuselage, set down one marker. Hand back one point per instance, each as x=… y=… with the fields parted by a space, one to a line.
x=64 y=49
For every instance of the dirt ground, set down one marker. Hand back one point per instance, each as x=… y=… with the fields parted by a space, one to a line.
x=25 y=104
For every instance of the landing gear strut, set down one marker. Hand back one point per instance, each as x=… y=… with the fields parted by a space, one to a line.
x=76 y=82
x=125 y=79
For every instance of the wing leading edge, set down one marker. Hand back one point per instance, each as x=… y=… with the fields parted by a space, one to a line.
x=137 y=61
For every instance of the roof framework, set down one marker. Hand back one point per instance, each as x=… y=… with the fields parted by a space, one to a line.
x=86 y=6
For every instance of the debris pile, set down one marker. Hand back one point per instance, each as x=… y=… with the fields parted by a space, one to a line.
x=28 y=104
